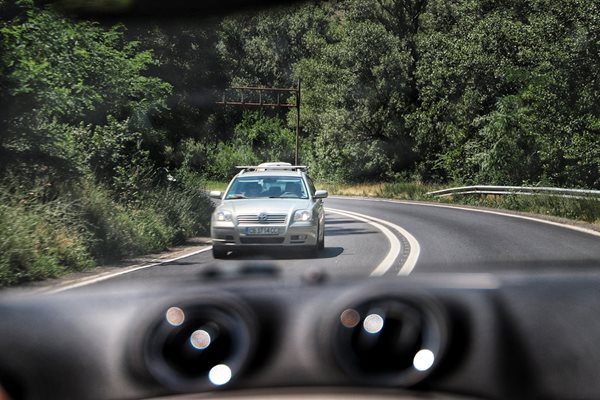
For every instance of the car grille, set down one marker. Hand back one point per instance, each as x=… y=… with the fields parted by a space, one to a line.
x=261 y=240
x=253 y=219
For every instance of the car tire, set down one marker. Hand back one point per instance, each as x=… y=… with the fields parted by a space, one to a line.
x=318 y=246
x=219 y=251
x=321 y=240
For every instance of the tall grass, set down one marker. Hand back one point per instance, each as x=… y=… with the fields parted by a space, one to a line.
x=395 y=190
x=118 y=231
x=39 y=241
x=78 y=230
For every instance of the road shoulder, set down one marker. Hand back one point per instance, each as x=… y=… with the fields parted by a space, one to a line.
x=192 y=246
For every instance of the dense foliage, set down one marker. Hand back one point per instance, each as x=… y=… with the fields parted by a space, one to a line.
x=107 y=133
x=470 y=91
x=82 y=172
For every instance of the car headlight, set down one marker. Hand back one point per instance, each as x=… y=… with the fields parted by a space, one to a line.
x=302 y=216
x=223 y=216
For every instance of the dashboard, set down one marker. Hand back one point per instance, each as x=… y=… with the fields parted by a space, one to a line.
x=425 y=336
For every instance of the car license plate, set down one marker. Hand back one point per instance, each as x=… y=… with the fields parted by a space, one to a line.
x=262 y=230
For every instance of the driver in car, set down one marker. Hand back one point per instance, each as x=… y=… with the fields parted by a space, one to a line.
x=293 y=188
x=253 y=190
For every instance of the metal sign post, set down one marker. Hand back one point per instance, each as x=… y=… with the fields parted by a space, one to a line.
x=265 y=97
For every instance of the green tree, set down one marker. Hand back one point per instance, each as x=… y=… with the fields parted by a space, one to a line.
x=59 y=74
x=360 y=91
x=187 y=59
x=507 y=92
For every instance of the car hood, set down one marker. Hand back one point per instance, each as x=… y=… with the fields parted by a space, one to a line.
x=255 y=206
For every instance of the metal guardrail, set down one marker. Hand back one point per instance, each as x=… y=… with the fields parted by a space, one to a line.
x=520 y=190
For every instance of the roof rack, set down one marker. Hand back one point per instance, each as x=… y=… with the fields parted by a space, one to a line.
x=271 y=167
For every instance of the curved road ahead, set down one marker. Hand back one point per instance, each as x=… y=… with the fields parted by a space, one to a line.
x=378 y=237
x=460 y=240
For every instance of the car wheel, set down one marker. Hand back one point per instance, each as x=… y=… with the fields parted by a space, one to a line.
x=314 y=250
x=219 y=251
x=321 y=239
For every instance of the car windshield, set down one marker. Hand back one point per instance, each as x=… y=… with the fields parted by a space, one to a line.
x=164 y=157
x=267 y=187
x=116 y=124
x=444 y=137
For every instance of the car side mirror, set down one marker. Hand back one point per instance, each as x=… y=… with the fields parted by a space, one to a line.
x=215 y=194
x=321 y=194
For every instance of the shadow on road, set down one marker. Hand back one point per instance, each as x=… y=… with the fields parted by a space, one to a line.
x=284 y=254
x=342 y=221
x=347 y=231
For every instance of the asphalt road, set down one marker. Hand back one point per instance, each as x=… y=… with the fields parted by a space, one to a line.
x=457 y=240
x=444 y=239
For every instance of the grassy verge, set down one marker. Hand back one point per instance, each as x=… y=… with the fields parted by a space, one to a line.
x=215 y=185
x=586 y=210
x=40 y=240
x=397 y=190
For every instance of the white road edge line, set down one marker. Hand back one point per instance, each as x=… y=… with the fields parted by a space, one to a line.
x=415 y=248
x=395 y=245
x=452 y=207
x=95 y=279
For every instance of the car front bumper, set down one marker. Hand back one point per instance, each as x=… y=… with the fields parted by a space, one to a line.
x=296 y=234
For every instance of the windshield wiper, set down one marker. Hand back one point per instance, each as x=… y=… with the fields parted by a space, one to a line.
x=236 y=196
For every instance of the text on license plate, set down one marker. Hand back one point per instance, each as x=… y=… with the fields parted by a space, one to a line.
x=262 y=230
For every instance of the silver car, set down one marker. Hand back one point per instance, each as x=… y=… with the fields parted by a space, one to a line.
x=272 y=204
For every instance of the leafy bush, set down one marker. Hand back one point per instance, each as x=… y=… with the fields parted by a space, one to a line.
x=267 y=137
x=43 y=240
x=82 y=176
x=228 y=156
x=257 y=138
